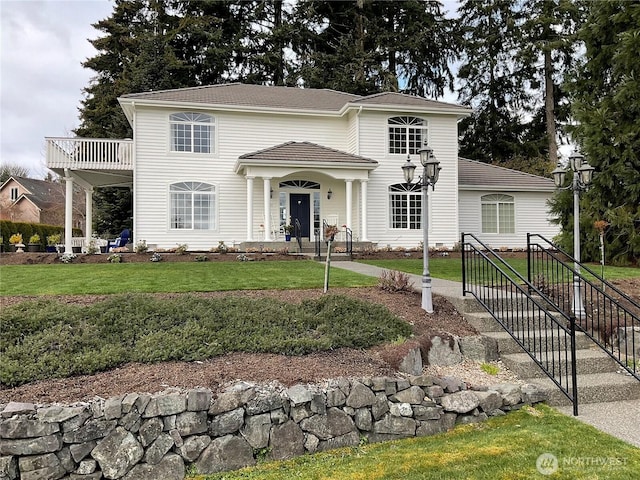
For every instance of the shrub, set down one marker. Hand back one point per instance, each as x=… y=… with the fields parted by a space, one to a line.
x=394 y=281
x=201 y=258
x=156 y=257
x=141 y=247
x=35 y=238
x=92 y=248
x=115 y=258
x=181 y=249
x=67 y=257
x=222 y=248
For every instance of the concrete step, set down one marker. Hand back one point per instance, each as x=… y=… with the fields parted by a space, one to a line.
x=497 y=299
x=548 y=338
x=587 y=361
x=593 y=388
x=484 y=322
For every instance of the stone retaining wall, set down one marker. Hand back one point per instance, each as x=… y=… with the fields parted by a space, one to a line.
x=141 y=436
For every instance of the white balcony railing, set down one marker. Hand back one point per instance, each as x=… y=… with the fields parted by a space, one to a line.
x=90 y=153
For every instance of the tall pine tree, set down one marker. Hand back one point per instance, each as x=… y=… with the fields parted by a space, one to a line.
x=606 y=107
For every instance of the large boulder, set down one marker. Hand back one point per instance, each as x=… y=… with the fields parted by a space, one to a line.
x=286 y=441
x=334 y=424
x=225 y=453
x=460 y=402
x=171 y=467
x=118 y=453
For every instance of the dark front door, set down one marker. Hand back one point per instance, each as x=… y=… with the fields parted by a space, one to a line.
x=300 y=210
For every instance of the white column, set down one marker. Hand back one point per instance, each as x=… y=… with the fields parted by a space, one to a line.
x=68 y=212
x=88 y=225
x=249 y=209
x=349 y=197
x=363 y=204
x=267 y=209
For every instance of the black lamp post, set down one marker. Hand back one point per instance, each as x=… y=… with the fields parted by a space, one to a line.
x=582 y=176
x=430 y=175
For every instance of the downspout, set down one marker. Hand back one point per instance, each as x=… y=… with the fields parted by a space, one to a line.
x=133 y=186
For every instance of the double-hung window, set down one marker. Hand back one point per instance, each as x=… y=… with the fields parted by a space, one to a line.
x=192 y=132
x=192 y=206
x=407 y=135
x=14 y=194
x=405 y=206
x=498 y=214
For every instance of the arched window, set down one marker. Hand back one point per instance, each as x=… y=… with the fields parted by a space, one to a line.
x=192 y=206
x=405 y=206
x=192 y=132
x=407 y=134
x=498 y=213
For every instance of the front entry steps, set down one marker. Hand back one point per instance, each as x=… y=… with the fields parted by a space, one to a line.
x=599 y=379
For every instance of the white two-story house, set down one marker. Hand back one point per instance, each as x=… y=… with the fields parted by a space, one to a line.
x=235 y=163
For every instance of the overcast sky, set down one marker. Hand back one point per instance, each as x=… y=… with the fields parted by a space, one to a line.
x=43 y=45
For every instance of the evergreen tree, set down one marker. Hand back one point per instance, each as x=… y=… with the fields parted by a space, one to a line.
x=366 y=46
x=606 y=107
x=492 y=80
x=549 y=40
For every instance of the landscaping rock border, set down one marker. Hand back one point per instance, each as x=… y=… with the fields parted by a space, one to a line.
x=141 y=436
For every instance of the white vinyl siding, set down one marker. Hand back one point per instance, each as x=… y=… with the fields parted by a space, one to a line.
x=531 y=215
x=443 y=212
x=157 y=167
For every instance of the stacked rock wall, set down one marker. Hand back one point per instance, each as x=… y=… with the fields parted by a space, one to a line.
x=141 y=436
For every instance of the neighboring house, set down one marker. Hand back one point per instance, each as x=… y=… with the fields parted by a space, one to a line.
x=235 y=162
x=35 y=201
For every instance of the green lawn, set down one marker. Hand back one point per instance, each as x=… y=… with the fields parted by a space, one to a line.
x=451 y=268
x=61 y=279
x=503 y=448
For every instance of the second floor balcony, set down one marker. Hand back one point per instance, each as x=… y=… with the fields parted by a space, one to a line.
x=89 y=153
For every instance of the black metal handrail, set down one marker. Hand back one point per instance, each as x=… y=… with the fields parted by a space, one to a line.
x=297 y=230
x=348 y=241
x=544 y=332
x=605 y=314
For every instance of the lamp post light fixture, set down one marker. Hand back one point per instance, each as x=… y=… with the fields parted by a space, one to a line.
x=582 y=176
x=430 y=174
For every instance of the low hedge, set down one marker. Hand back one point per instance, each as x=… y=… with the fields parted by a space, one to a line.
x=8 y=228
x=46 y=339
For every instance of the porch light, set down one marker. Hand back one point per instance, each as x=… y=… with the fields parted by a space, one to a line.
x=329 y=194
x=271 y=193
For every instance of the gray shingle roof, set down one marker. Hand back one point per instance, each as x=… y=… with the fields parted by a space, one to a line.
x=474 y=174
x=305 y=152
x=294 y=98
x=43 y=194
x=238 y=94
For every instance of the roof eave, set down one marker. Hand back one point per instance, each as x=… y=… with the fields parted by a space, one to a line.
x=460 y=112
x=241 y=163
x=507 y=188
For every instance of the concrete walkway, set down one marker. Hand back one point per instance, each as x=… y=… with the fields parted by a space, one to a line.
x=620 y=419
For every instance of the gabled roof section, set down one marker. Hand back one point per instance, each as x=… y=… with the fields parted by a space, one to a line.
x=474 y=175
x=242 y=95
x=308 y=153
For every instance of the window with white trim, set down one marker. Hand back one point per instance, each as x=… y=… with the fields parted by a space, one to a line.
x=407 y=135
x=14 y=194
x=192 y=206
x=498 y=214
x=192 y=132
x=405 y=206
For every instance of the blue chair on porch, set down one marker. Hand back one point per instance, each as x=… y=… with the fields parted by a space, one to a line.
x=121 y=241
